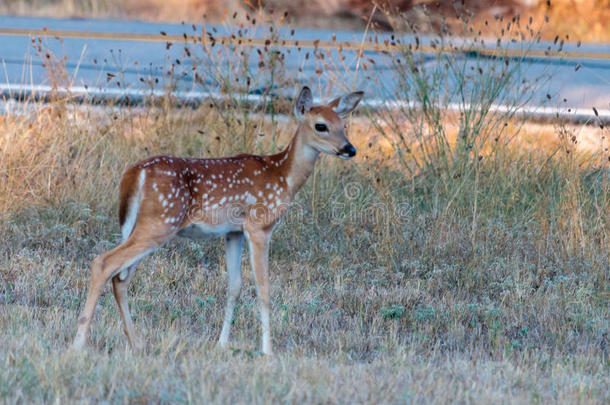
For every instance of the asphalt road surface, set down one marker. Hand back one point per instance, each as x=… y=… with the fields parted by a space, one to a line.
x=106 y=60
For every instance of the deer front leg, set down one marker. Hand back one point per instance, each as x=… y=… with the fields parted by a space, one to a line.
x=258 y=243
x=234 y=243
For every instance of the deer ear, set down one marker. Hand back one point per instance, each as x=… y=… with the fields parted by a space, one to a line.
x=346 y=104
x=303 y=104
x=334 y=103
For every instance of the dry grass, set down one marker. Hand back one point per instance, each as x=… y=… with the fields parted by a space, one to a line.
x=584 y=20
x=382 y=291
x=480 y=277
x=150 y=10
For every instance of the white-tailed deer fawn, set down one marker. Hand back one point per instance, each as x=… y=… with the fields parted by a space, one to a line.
x=166 y=196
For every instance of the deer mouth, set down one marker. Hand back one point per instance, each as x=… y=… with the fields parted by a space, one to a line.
x=347 y=152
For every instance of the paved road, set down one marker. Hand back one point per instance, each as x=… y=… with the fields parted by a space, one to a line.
x=94 y=66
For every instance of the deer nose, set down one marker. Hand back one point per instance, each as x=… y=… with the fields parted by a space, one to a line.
x=348 y=151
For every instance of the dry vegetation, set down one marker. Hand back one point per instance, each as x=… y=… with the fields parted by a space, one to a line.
x=383 y=289
x=457 y=258
x=584 y=20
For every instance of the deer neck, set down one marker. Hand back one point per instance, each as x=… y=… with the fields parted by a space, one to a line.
x=299 y=162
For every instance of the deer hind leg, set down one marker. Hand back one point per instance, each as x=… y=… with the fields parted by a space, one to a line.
x=234 y=245
x=119 y=287
x=103 y=268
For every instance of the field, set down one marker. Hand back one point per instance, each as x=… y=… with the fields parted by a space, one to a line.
x=386 y=287
x=458 y=258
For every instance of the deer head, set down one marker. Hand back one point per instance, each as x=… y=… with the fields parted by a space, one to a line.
x=322 y=126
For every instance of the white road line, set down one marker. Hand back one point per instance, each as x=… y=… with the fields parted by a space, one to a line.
x=81 y=94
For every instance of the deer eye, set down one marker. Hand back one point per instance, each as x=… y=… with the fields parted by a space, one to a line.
x=321 y=128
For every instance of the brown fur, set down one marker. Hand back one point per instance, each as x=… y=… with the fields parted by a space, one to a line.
x=127 y=189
